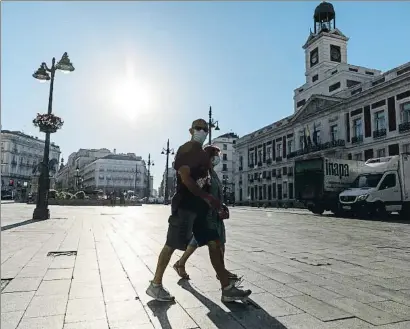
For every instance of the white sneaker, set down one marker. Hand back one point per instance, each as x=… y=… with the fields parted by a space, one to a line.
x=159 y=293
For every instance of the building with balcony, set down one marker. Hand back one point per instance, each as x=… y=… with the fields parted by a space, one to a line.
x=119 y=172
x=225 y=169
x=342 y=111
x=20 y=156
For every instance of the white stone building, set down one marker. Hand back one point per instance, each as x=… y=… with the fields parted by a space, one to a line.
x=120 y=172
x=20 y=156
x=225 y=169
x=342 y=111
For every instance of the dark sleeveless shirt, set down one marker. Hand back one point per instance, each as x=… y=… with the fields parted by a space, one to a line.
x=191 y=154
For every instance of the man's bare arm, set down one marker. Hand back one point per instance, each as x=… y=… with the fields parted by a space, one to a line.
x=185 y=173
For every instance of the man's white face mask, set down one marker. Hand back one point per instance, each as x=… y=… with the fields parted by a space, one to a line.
x=199 y=136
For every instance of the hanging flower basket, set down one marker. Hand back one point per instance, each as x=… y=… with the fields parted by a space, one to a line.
x=48 y=123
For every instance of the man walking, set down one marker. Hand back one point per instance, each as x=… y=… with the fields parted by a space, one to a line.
x=190 y=206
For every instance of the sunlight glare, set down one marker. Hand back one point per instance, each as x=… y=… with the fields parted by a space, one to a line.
x=132 y=97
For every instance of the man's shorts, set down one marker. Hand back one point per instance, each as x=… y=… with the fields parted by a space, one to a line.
x=184 y=224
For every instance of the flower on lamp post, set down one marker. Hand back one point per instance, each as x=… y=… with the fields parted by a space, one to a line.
x=48 y=122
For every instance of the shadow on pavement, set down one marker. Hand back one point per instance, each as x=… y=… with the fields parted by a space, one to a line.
x=26 y=222
x=247 y=316
x=389 y=219
x=159 y=310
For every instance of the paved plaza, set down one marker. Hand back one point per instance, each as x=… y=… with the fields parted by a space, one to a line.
x=305 y=271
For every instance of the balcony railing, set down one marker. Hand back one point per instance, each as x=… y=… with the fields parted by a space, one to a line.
x=315 y=148
x=357 y=139
x=379 y=133
x=403 y=127
x=278 y=159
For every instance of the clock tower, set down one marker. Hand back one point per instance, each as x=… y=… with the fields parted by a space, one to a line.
x=326 y=47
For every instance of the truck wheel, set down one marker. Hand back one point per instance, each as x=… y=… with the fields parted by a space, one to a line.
x=318 y=210
x=380 y=211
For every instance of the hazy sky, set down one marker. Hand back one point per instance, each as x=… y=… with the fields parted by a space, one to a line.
x=145 y=70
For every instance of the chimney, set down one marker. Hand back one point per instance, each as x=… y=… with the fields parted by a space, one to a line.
x=115 y=151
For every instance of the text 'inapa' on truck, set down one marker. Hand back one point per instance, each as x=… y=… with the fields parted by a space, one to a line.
x=319 y=181
x=382 y=188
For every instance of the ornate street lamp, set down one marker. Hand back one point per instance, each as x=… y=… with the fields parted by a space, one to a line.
x=167 y=152
x=212 y=124
x=48 y=123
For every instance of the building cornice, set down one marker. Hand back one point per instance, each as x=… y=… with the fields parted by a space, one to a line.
x=344 y=104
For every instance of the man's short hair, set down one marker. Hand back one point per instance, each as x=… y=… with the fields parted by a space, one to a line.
x=199 y=123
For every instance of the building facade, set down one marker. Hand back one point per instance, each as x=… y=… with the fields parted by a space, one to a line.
x=226 y=168
x=170 y=184
x=20 y=156
x=116 y=172
x=342 y=111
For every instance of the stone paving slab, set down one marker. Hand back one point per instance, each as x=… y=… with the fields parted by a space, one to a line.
x=306 y=271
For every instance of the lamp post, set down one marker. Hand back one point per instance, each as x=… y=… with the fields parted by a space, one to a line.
x=41 y=211
x=212 y=124
x=135 y=180
x=167 y=151
x=77 y=178
x=149 y=164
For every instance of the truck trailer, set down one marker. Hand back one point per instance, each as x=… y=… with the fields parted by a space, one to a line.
x=319 y=181
x=383 y=187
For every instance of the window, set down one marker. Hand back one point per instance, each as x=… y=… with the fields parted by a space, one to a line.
x=224 y=167
x=316 y=137
x=315 y=78
x=301 y=103
x=333 y=133
x=406 y=148
x=225 y=177
x=405 y=112
x=301 y=140
x=334 y=87
x=259 y=156
x=241 y=161
x=381 y=153
x=279 y=150
x=357 y=127
x=379 y=120
x=388 y=182
x=285 y=189
x=224 y=157
x=290 y=142
x=352 y=83
x=269 y=152
x=225 y=147
x=369 y=73
x=358 y=157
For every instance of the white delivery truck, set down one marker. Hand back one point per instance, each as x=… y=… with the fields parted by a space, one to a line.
x=382 y=188
x=319 y=181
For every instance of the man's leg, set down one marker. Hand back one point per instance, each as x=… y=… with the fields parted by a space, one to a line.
x=163 y=261
x=179 y=266
x=215 y=255
x=176 y=239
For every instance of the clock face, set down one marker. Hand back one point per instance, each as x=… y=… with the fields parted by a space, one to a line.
x=335 y=54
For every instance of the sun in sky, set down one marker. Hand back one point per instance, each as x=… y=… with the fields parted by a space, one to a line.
x=132 y=94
